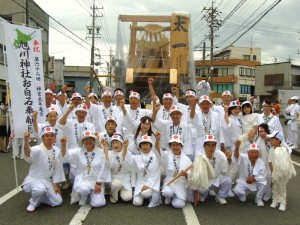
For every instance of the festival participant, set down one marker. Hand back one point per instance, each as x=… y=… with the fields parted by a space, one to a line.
x=135 y=112
x=220 y=182
x=267 y=117
x=49 y=96
x=73 y=128
x=118 y=96
x=61 y=101
x=207 y=122
x=92 y=167
x=100 y=113
x=287 y=111
x=94 y=99
x=164 y=111
x=46 y=170
x=176 y=126
x=139 y=130
x=147 y=167
x=174 y=163
x=110 y=130
x=120 y=171
x=282 y=169
x=252 y=174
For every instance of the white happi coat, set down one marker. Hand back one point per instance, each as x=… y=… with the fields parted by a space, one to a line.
x=165 y=115
x=99 y=166
x=139 y=164
x=179 y=187
x=120 y=170
x=99 y=116
x=135 y=120
x=213 y=126
x=271 y=120
x=183 y=129
x=46 y=166
x=220 y=165
x=73 y=130
x=235 y=128
x=259 y=171
x=294 y=108
x=226 y=136
x=108 y=138
x=58 y=132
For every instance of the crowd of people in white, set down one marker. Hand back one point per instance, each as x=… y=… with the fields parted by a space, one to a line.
x=183 y=152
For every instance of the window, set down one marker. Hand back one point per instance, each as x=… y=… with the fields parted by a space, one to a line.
x=274 y=79
x=249 y=72
x=219 y=88
x=246 y=57
x=2 y=50
x=254 y=57
x=245 y=89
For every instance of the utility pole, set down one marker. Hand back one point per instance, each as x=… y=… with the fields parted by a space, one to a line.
x=94 y=35
x=213 y=23
x=203 y=59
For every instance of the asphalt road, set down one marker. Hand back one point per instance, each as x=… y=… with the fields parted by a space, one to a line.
x=13 y=211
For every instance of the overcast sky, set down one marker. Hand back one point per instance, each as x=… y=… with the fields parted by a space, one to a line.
x=277 y=34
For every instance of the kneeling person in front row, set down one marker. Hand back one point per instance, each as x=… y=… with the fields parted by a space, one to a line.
x=46 y=170
x=252 y=174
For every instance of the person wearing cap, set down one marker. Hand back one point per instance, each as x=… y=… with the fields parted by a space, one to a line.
x=206 y=122
x=110 y=130
x=219 y=182
x=120 y=170
x=174 y=162
x=73 y=129
x=46 y=170
x=132 y=115
x=226 y=99
x=252 y=174
x=94 y=98
x=264 y=146
x=92 y=169
x=61 y=101
x=76 y=99
x=282 y=169
x=175 y=126
x=48 y=100
x=292 y=116
x=99 y=113
x=146 y=165
x=267 y=117
x=118 y=96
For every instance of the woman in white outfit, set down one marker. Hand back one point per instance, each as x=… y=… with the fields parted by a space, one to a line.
x=92 y=167
x=46 y=170
x=174 y=162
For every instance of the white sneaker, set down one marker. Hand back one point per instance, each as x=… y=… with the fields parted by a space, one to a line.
x=274 y=205
x=212 y=192
x=221 y=200
x=230 y=194
x=74 y=197
x=30 y=208
x=294 y=147
x=112 y=200
x=260 y=203
x=83 y=200
x=282 y=207
x=66 y=185
x=242 y=198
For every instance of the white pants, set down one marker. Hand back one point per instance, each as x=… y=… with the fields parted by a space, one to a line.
x=149 y=193
x=289 y=138
x=295 y=138
x=117 y=186
x=167 y=192
x=279 y=191
x=97 y=200
x=224 y=187
x=41 y=194
x=240 y=189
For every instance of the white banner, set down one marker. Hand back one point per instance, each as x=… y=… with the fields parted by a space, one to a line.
x=25 y=76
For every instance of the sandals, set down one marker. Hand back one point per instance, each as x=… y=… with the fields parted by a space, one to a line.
x=2 y=151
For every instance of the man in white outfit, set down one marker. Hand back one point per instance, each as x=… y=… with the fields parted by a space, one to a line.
x=46 y=171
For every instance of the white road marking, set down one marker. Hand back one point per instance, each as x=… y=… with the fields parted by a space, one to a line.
x=10 y=195
x=81 y=214
x=190 y=215
x=297 y=164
